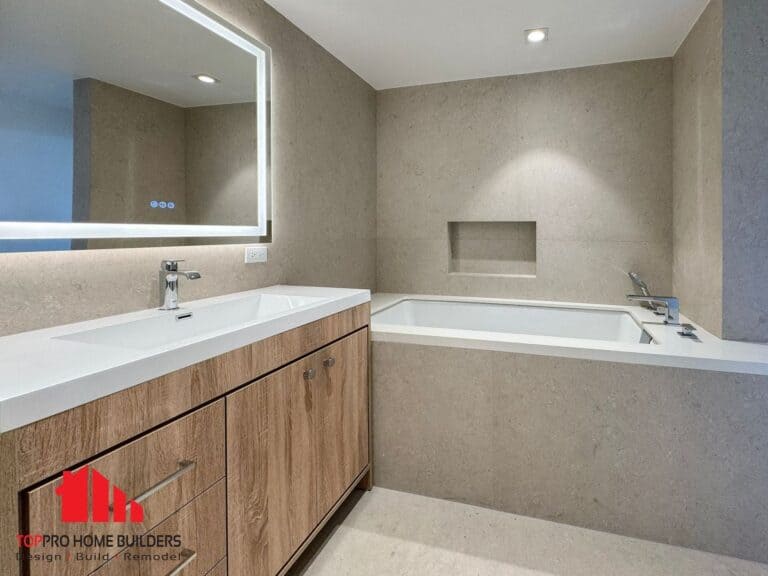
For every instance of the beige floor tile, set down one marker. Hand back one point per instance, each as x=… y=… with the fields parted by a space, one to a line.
x=388 y=533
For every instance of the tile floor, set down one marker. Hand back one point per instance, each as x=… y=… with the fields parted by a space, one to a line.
x=387 y=533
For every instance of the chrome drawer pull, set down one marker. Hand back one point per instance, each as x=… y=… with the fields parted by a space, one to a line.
x=329 y=362
x=187 y=557
x=184 y=467
x=309 y=374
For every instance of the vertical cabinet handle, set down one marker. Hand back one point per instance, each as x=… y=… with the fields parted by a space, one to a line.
x=329 y=362
x=309 y=374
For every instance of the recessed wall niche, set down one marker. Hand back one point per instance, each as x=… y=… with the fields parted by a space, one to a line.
x=493 y=248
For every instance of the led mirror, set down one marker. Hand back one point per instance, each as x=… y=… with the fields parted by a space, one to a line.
x=130 y=123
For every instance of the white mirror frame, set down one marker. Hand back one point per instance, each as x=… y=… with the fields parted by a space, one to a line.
x=70 y=230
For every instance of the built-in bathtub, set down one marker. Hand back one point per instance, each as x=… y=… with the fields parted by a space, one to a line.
x=496 y=317
x=559 y=411
x=629 y=334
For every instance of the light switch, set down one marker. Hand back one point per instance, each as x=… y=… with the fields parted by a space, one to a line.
x=255 y=254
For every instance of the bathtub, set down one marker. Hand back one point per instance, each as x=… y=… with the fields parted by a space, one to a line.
x=627 y=334
x=580 y=413
x=508 y=318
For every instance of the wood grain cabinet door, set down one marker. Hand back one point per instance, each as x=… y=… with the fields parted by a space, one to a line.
x=296 y=441
x=271 y=478
x=341 y=416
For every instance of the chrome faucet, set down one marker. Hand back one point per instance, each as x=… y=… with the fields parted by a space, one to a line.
x=643 y=287
x=169 y=283
x=670 y=304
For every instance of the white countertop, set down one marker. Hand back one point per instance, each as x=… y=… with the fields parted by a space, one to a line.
x=669 y=348
x=42 y=374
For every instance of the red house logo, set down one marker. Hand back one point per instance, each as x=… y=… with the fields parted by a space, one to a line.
x=75 y=498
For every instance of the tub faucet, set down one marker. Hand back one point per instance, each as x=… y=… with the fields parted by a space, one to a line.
x=670 y=304
x=643 y=287
x=169 y=283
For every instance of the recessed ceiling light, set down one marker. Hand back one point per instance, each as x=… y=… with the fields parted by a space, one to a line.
x=206 y=79
x=536 y=35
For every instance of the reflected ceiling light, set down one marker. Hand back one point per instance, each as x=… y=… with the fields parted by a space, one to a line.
x=536 y=35
x=206 y=79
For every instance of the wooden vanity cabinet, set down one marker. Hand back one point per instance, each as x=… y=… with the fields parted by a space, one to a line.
x=244 y=455
x=297 y=441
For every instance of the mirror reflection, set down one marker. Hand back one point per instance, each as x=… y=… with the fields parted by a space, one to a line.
x=123 y=112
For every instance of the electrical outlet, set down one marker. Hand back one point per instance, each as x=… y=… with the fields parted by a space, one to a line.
x=255 y=254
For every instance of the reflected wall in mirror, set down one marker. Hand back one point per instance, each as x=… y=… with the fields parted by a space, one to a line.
x=130 y=123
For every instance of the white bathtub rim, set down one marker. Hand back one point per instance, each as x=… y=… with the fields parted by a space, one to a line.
x=382 y=300
x=669 y=349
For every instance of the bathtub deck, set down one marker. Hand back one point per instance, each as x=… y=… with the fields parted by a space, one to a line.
x=387 y=533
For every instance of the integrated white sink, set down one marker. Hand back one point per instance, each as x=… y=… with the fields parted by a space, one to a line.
x=170 y=328
x=45 y=372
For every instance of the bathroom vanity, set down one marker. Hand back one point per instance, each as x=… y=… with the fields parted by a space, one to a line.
x=212 y=437
x=237 y=460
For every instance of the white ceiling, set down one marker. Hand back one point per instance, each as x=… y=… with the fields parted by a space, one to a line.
x=394 y=43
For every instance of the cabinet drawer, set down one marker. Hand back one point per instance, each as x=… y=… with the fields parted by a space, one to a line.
x=162 y=470
x=201 y=531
